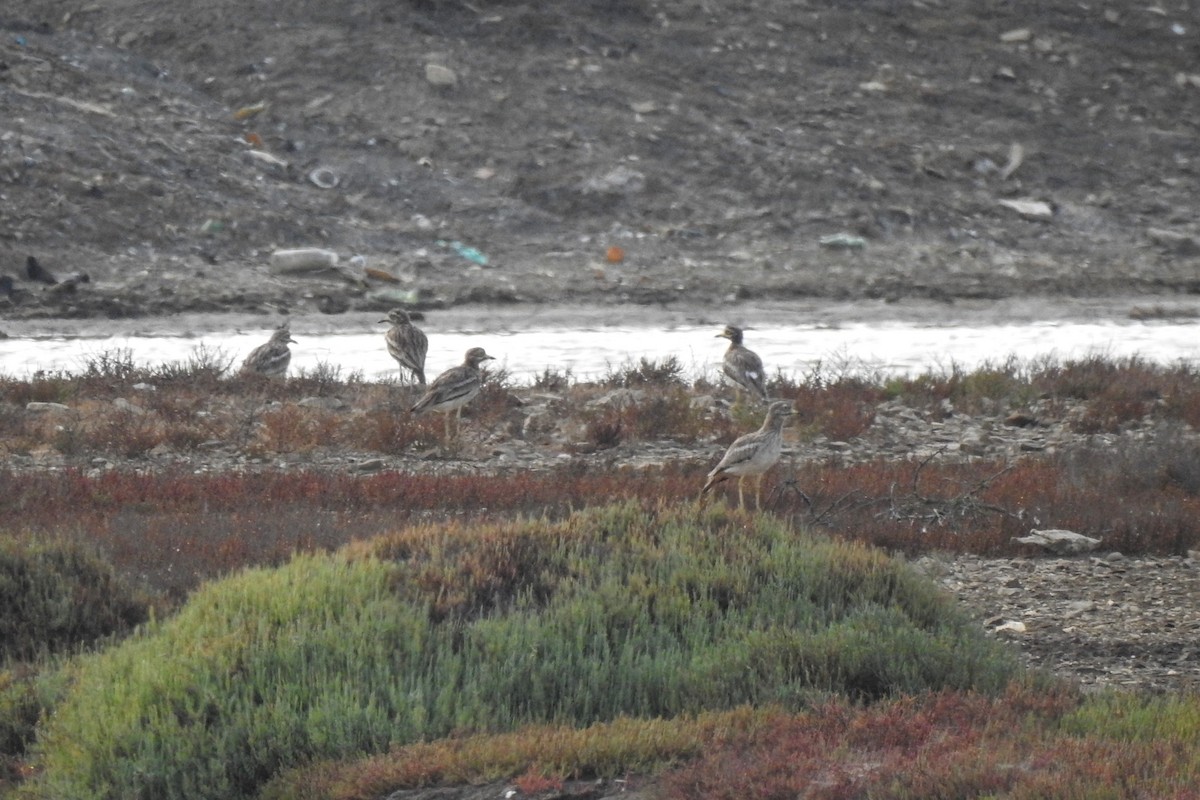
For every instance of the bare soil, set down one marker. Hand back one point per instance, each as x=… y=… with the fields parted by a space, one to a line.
x=166 y=149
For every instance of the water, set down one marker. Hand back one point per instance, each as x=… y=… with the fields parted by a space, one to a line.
x=591 y=343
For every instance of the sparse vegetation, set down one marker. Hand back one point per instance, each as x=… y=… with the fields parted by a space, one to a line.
x=741 y=656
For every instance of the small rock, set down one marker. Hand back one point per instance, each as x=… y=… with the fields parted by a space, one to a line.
x=619 y=398
x=539 y=423
x=1175 y=241
x=440 y=76
x=124 y=405
x=327 y=403
x=1077 y=607
x=1016 y=35
x=43 y=407
x=621 y=181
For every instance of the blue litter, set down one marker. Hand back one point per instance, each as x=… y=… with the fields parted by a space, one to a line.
x=467 y=252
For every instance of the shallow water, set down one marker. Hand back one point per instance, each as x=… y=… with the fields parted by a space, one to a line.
x=590 y=343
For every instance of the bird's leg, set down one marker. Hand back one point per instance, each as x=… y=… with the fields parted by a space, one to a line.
x=741 y=500
x=758 y=492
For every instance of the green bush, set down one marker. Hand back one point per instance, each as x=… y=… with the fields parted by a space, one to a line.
x=1129 y=717
x=25 y=694
x=58 y=595
x=613 y=612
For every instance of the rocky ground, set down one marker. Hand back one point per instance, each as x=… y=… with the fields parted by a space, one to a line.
x=629 y=154
x=503 y=151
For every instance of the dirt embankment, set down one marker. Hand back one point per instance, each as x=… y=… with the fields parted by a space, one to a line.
x=732 y=151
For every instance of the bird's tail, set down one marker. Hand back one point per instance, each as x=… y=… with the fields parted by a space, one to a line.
x=712 y=481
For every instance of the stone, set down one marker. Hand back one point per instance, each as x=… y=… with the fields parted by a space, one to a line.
x=42 y=407
x=1060 y=542
x=440 y=76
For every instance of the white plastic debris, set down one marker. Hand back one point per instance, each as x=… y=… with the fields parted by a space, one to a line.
x=268 y=159
x=1034 y=209
x=323 y=177
x=843 y=241
x=305 y=259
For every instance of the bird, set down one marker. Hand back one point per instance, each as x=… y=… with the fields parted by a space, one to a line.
x=753 y=453
x=270 y=359
x=742 y=365
x=406 y=343
x=36 y=272
x=454 y=388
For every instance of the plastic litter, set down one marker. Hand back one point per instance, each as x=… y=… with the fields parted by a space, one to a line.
x=467 y=252
x=323 y=177
x=305 y=259
x=843 y=241
x=267 y=159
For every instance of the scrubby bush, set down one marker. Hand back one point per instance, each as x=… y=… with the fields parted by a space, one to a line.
x=56 y=596
x=618 y=611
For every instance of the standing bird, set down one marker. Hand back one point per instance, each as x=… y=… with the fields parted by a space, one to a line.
x=742 y=365
x=270 y=359
x=406 y=343
x=753 y=454
x=36 y=272
x=454 y=388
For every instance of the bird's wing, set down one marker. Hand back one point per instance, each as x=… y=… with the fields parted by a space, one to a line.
x=453 y=384
x=740 y=453
x=745 y=367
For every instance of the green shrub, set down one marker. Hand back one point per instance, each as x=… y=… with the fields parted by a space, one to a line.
x=58 y=595
x=25 y=695
x=614 y=612
x=1138 y=718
